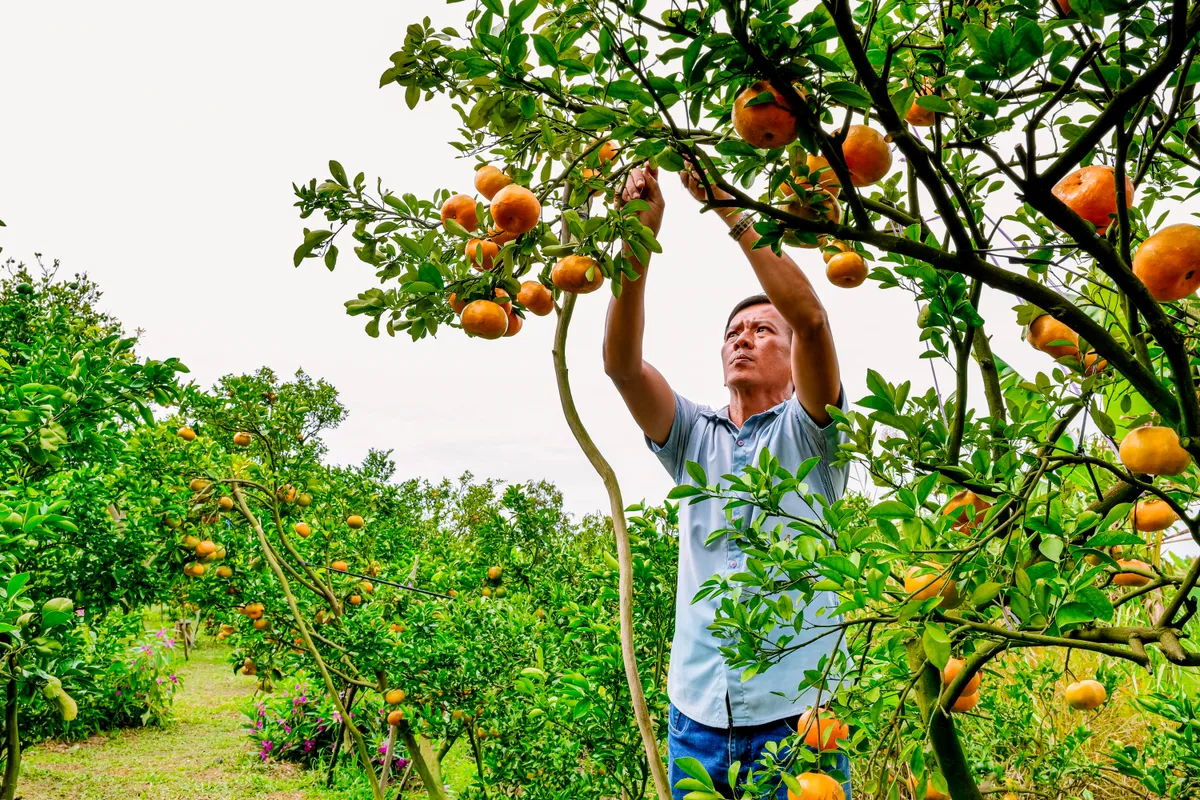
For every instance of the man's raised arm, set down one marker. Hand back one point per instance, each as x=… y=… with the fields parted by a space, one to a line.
x=642 y=387
x=815 y=371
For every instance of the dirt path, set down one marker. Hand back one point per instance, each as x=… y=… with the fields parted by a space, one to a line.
x=204 y=755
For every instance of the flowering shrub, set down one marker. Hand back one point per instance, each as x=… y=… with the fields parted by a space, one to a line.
x=295 y=724
x=119 y=673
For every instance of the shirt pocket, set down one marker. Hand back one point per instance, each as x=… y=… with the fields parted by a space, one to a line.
x=677 y=721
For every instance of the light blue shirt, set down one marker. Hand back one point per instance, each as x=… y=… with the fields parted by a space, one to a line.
x=699 y=680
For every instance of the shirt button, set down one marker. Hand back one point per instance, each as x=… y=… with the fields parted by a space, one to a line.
x=741 y=442
x=733 y=563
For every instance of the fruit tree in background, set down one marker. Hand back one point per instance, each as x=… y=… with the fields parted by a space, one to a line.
x=881 y=133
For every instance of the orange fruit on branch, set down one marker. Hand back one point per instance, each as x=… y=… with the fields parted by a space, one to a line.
x=1131 y=578
x=339 y=566
x=242 y=439
x=1091 y=192
x=847 y=270
x=1152 y=514
x=254 y=610
x=481 y=253
x=1093 y=364
x=965 y=702
x=867 y=155
x=225 y=504
x=224 y=572
x=456 y=305
x=395 y=717
x=1086 y=695
x=931 y=792
x=206 y=548
x=817 y=786
x=461 y=209
x=354 y=600
x=607 y=152
x=767 y=124
x=354 y=521
x=570 y=274
x=841 y=246
x=394 y=697
x=186 y=433
x=827 y=179
x=515 y=324
x=302 y=530
x=500 y=237
x=494 y=573
x=1153 y=450
x=825 y=733
x=918 y=116
x=261 y=624
x=536 y=298
x=955 y=666
x=198 y=484
x=922 y=583
x=515 y=209
x=959 y=503
x=1169 y=262
x=1046 y=330
x=489 y=180
x=484 y=319
x=305 y=500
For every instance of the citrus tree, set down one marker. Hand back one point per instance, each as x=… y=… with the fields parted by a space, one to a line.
x=71 y=390
x=427 y=614
x=996 y=521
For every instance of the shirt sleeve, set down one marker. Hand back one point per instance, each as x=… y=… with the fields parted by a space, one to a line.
x=823 y=441
x=672 y=453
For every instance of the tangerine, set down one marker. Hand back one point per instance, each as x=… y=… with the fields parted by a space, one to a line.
x=764 y=125
x=461 y=209
x=1169 y=262
x=1091 y=192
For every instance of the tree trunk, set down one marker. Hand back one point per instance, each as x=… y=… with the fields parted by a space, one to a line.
x=942 y=736
x=425 y=760
x=12 y=770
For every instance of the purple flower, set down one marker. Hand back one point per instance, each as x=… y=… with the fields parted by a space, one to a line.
x=118 y=692
x=383 y=748
x=267 y=746
x=309 y=745
x=401 y=763
x=79 y=612
x=173 y=678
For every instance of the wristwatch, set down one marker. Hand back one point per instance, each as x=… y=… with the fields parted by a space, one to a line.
x=741 y=226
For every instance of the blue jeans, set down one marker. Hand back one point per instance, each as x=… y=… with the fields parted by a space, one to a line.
x=717 y=748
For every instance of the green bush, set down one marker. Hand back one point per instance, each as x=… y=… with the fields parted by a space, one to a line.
x=119 y=674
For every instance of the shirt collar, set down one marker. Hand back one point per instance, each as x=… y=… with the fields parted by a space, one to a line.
x=723 y=412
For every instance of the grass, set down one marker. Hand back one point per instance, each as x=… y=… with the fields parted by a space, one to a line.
x=203 y=755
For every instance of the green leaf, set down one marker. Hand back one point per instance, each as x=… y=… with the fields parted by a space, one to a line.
x=1051 y=548
x=697 y=473
x=985 y=592
x=596 y=118
x=890 y=509
x=931 y=102
x=695 y=769
x=430 y=274
x=626 y=90
x=339 y=174
x=849 y=94
x=418 y=287
x=545 y=50
x=1074 y=613
x=936 y=644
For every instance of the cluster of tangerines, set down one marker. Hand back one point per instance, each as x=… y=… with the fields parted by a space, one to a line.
x=1167 y=262
x=514 y=210
x=770 y=122
x=493 y=587
x=1150 y=515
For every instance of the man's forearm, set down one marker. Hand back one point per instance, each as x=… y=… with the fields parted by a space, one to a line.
x=625 y=326
x=790 y=290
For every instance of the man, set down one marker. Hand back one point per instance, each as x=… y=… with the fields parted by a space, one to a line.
x=781 y=371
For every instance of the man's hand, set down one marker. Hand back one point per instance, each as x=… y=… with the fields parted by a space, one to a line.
x=691 y=182
x=642 y=184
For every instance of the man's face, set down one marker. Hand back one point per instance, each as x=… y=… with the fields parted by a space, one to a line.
x=757 y=352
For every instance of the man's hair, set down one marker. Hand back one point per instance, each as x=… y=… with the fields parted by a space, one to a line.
x=752 y=300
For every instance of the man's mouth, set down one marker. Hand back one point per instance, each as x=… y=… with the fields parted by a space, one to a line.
x=740 y=357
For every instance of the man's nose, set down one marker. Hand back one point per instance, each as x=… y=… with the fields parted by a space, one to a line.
x=744 y=339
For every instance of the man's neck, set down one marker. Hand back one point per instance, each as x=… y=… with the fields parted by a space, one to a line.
x=744 y=404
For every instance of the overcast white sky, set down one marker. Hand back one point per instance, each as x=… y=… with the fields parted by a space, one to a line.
x=153 y=145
